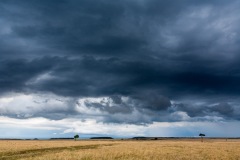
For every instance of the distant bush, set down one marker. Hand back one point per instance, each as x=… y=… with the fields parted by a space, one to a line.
x=140 y=138
x=101 y=138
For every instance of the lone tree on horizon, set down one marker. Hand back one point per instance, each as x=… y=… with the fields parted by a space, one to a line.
x=76 y=137
x=201 y=135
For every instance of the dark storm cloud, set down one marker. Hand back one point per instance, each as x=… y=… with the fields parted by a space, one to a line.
x=16 y=73
x=150 y=51
x=107 y=28
x=90 y=76
x=225 y=110
x=152 y=102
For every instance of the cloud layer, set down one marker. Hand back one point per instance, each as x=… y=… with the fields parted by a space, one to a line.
x=127 y=62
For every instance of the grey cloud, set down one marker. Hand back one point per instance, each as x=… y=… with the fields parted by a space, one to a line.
x=116 y=99
x=111 y=109
x=116 y=76
x=153 y=101
x=91 y=77
x=15 y=73
x=106 y=28
x=209 y=109
x=151 y=51
x=191 y=110
x=223 y=108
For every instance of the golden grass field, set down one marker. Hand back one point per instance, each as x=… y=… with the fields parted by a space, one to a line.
x=180 y=149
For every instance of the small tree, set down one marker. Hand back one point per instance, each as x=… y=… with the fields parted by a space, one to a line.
x=201 y=135
x=76 y=137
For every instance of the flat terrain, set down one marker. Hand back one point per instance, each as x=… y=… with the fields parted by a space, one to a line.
x=218 y=149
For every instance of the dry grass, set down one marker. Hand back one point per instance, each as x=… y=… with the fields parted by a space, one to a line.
x=121 y=150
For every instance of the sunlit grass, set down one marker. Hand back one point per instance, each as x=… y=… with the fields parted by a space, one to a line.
x=121 y=150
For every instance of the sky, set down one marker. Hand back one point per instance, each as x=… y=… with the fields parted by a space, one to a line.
x=119 y=68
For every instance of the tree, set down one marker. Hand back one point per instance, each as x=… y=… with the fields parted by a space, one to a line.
x=201 y=135
x=76 y=137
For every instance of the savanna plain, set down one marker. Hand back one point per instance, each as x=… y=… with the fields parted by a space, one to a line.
x=177 y=149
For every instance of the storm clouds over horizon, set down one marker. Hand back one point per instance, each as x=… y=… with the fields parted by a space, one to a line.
x=129 y=62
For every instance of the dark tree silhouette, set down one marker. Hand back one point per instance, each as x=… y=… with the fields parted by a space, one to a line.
x=201 y=135
x=76 y=137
